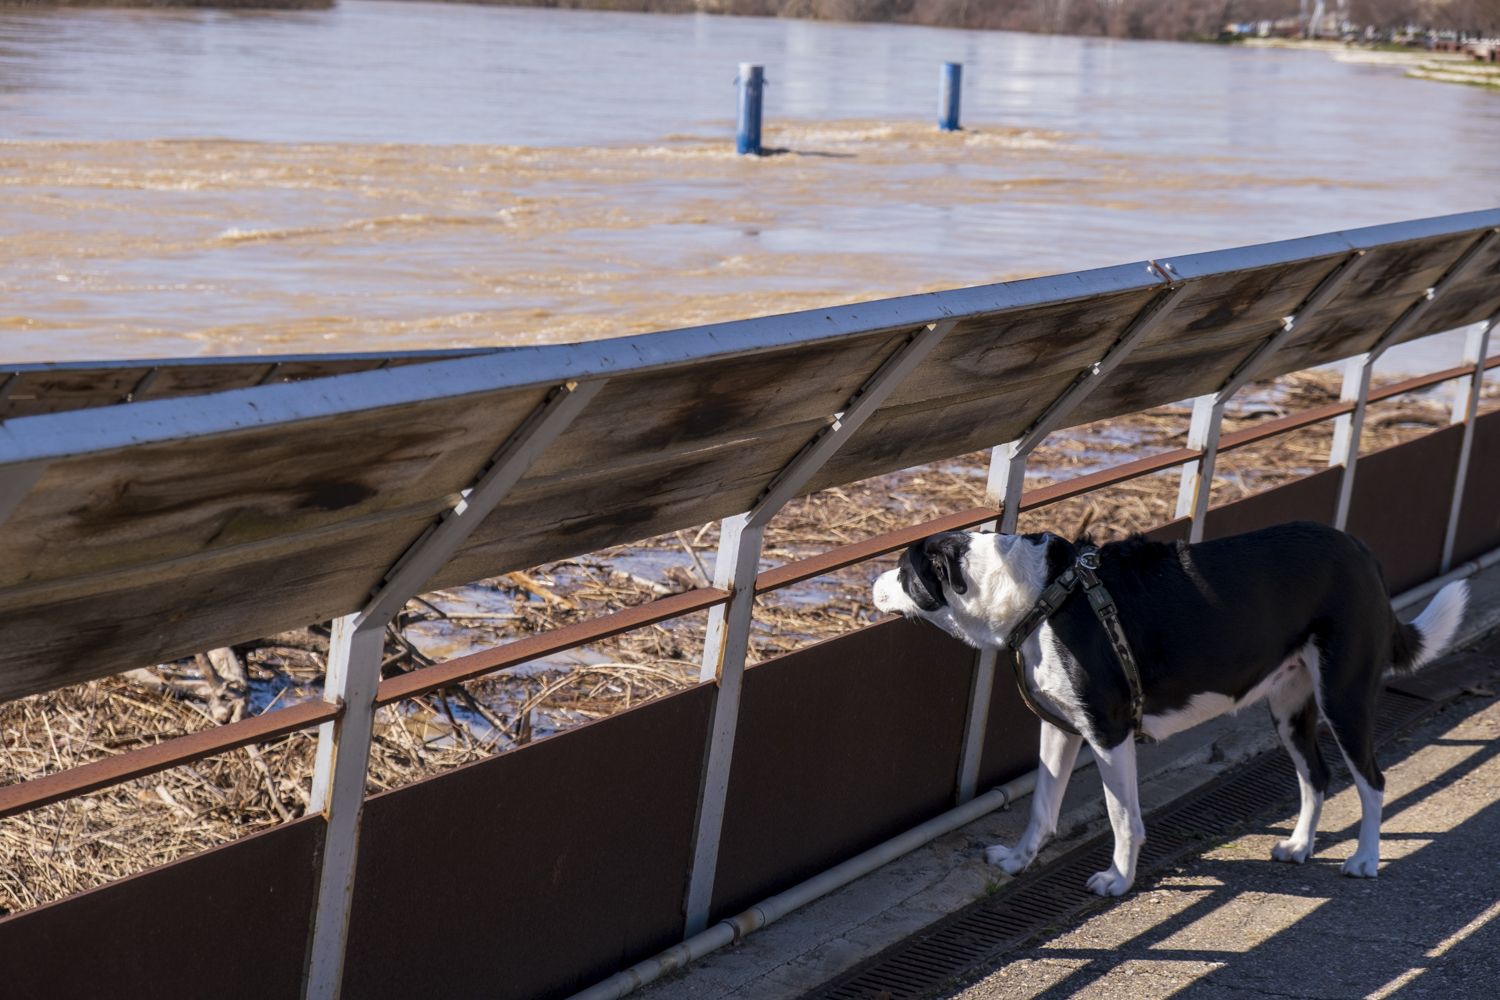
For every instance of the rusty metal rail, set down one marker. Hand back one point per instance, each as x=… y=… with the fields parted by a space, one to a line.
x=168 y=753
x=558 y=640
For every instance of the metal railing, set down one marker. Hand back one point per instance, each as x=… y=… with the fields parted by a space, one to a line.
x=22 y=796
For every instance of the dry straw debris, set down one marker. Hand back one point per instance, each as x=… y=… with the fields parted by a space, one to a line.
x=74 y=845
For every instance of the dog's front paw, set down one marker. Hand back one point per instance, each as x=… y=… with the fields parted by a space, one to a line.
x=1294 y=851
x=1362 y=866
x=1108 y=883
x=1010 y=860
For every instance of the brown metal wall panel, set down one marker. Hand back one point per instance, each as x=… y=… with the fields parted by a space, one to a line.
x=1010 y=735
x=1400 y=505
x=143 y=936
x=840 y=746
x=1314 y=498
x=534 y=873
x=1172 y=531
x=1479 y=518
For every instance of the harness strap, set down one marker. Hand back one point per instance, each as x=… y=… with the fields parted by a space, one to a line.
x=1084 y=571
x=1052 y=598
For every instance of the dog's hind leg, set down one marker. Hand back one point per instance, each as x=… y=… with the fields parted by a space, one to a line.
x=1122 y=797
x=1059 y=752
x=1348 y=686
x=1296 y=717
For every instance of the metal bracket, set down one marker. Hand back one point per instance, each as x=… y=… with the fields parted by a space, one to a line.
x=1465 y=410
x=353 y=674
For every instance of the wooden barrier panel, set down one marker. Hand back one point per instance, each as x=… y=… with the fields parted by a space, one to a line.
x=536 y=872
x=1394 y=279
x=840 y=746
x=29 y=390
x=230 y=923
x=992 y=376
x=1470 y=300
x=1234 y=302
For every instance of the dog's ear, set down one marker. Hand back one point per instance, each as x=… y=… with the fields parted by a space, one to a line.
x=946 y=554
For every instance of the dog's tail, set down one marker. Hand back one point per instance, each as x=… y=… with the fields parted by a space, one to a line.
x=1422 y=641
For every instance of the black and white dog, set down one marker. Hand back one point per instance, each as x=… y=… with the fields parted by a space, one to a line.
x=1296 y=614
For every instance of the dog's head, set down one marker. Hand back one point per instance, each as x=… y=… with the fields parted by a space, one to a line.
x=975 y=585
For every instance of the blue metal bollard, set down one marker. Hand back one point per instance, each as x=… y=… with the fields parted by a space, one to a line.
x=953 y=76
x=752 y=82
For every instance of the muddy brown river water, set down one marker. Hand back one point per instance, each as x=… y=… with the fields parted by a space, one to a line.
x=405 y=175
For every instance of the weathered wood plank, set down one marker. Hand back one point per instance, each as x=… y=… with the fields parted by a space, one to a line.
x=555 y=517
x=1222 y=318
x=1392 y=280
x=37 y=392
x=59 y=387
x=1472 y=300
x=81 y=629
x=1012 y=353
x=646 y=419
x=163 y=501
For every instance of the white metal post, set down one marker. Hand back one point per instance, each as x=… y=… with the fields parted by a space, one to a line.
x=353 y=676
x=727 y=643
x=1465 y=410
x=1344 y=451
x=1197 y=475
x=1005 y=488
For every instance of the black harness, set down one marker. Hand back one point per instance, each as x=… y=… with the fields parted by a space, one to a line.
x=1083 y=572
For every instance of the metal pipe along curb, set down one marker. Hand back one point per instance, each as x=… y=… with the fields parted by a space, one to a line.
x=770 y=910
x=1460 y=572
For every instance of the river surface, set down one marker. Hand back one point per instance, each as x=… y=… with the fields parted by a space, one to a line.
x=405 y=175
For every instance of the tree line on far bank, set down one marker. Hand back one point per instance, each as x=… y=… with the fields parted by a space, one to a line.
x=1163 y=19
